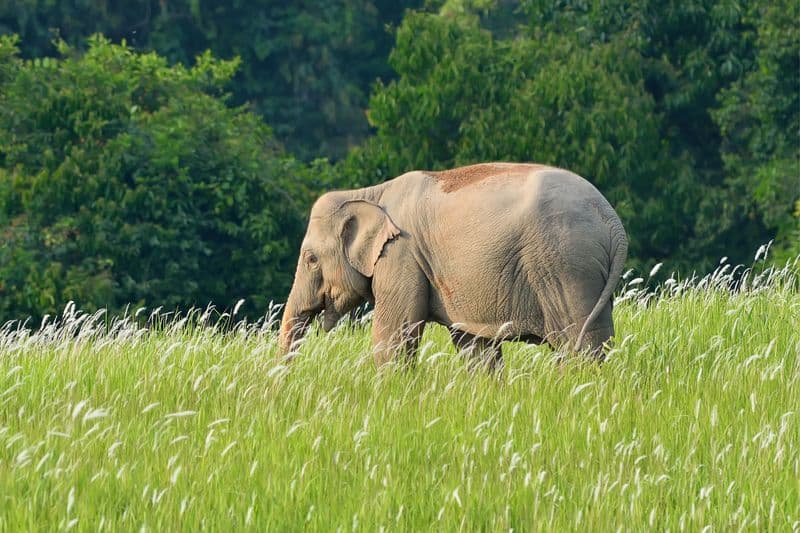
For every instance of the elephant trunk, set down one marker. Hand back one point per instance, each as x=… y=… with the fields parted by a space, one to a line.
x=330 y=317
x=293 y=325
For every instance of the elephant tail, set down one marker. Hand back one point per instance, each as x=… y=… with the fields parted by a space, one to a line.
x=620 y=241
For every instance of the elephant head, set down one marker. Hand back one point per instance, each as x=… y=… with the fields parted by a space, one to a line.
x=343 y=242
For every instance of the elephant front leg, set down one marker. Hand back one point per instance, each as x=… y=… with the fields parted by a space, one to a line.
x=395 y=340
x=479 y=351
x=401 y=307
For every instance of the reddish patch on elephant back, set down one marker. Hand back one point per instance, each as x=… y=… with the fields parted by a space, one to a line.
x=457 y=178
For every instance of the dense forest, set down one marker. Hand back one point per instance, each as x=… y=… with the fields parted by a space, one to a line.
x=166 y=153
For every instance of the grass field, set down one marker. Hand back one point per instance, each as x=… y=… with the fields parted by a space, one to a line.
x=693 y=421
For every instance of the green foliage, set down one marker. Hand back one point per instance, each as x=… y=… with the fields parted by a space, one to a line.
x=690 y=57
x=760 y=122
x=464 y=97
x=623 y=93
x=307 y=66
x=687 y=117
x=127 y=181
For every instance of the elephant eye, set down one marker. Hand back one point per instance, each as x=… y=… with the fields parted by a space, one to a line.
x=311 y=260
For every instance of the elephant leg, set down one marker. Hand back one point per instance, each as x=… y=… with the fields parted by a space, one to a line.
x=596 y=335
x=594 y=341
x=564 y=325
x=479 y=351
x=400 y=311
x=395 y=341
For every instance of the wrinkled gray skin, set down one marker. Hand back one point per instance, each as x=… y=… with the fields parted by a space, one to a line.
x=497 y=251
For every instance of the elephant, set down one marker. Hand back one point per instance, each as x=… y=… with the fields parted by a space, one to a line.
x=494 y=251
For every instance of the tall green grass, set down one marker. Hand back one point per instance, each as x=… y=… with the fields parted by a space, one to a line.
x=693 y=421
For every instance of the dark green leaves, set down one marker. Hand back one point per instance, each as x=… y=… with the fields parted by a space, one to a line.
x=126 y=180
x=685 y=116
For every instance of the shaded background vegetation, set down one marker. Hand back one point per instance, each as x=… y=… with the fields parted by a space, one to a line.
x=172 y=161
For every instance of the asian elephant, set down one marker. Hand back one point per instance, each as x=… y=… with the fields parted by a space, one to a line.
x=494 y=251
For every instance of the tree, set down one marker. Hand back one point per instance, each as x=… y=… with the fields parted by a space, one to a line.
x=126 y=181
x=623 y=93
x=689 y=53
x=760 y=123
x=464 y=96
x=306 y=66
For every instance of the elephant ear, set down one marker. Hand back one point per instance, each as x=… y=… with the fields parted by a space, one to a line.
x=366 y=230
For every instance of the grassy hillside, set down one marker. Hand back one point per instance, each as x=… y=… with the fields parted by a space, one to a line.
x=693 y=421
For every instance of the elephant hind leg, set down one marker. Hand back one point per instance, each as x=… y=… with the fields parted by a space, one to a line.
x=594 y=340
x=479 y=351
x=563 y=335
x=580 y=301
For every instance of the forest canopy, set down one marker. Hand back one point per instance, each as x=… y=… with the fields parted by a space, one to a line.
x=168 y=156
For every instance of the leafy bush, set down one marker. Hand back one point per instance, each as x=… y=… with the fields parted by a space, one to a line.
x=306 y=66
x=464 y=97
x=624 y=94
x=125 y=180
x=760 y=122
